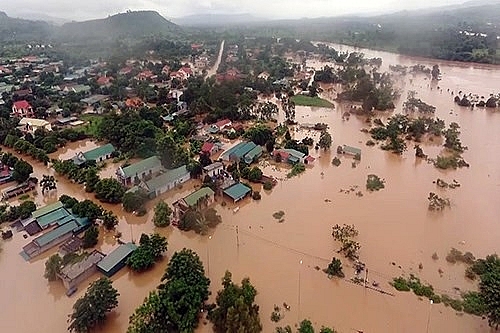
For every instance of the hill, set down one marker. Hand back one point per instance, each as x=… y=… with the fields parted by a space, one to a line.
x=23 y=30
x=124 y=25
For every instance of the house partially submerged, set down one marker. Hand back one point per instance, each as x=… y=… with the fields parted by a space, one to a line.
x=292 y=156
x=30 y=125
x=116 y=260
x=348 y=150
x=73 y=275
x=200 y=198
x=243 y=151
x=97 y=155
x=237 y=192
x=214 y=169
x=165 y=181
x=136 y=172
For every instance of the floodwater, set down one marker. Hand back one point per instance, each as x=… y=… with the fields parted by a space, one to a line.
x=396 y=230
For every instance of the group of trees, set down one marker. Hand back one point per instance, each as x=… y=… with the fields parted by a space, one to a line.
x=11 y=213
x=162 y=214
x=199 y=220
x=22 y=169
x=150 y=250
x=305 y=326
x=176 y=304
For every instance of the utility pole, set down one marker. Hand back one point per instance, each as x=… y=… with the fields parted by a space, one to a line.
x=366 y=276
x=237 y=237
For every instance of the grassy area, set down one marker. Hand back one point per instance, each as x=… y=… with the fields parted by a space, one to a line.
x=93 y=122
x=311 y=101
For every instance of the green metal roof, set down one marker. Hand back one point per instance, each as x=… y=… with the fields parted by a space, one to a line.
x=253 y=154
x=237 y=191
x=194 y=197
x=295 y=153
x=166 y=178
x=351 y=150
x=47 y=209
x=54 y=216
x=95 y=153
x=56 y=233
x=231 y=150
x=141 y=166
x=116 y=256
x=243 y=150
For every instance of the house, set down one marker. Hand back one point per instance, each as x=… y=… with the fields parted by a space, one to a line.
x=165 y=181
x=202 y=197
x=116 y=260
x=263 y=76
x=237 y=192
x=97 y=155
x=291 y=156
x=94 y=99
x=136 y=172
x=145 y=76
x=309 y=160
x=22 y=109
x=253 y=155
x=188 y=72
x=134 y=102
x=213 y=170
x=222 y=124
x=125 y=71
x=165 y=70
x=74 y=274
x=56 y=215
x=238 y=152
x=209 y=148
x=50 y=239
x=104 y=81
x=356 y=152
x=30 y=125
x=72 y=245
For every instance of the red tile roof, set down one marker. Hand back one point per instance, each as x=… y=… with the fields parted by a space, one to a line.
x=186 y=70
x=22 y=105
x=222 y=123
x=310 y=159
x=207 y=147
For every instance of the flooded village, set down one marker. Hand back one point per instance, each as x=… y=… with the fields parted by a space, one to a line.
x=248 y=183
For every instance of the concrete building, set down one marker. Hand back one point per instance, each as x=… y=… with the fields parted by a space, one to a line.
x=203 y=197
x=166 y=181
x=138 y=171
x=116 y=260
x=22 y=109
x=97 y=155
x=73 y=275
x=213 y=169
x=30 y=125
x=238 y=191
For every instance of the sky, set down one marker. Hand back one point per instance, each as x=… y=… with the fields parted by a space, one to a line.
x=277 y=9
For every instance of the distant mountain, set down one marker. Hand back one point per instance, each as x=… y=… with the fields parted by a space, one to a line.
x=23 y=30
x=216 y=20
x=130 y=24
x=34 y=16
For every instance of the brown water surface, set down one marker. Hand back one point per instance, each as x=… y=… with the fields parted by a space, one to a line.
x=394 y=227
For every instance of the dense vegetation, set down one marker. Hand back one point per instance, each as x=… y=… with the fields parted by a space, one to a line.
x=150 y=250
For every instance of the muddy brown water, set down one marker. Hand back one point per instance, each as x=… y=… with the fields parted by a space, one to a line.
x=394 y=227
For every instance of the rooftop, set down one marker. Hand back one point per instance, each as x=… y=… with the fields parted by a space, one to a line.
x=243 y=150
x=237 y=191
x=34 y=122
x=141 y=166
x=71 y=272
x=59 y=215
x=351 y=150
x=295 y=153
x=95 y=153
x=56 y=233
x=167 y=177
x=116 y=256
x=252 y=154
x=213 y=166
x=47 y=209
x=194 y=197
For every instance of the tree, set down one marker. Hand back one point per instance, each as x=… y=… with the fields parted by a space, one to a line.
x=325 y=140
x=306 y=327
x=109 y=220
x=91 y=309
x=335 y=268
x=151 y=249
x=48 y=183
x=52 y=267
x=90 y=237
x=489 y=271
x=91 y=179
x=435 y=72
x=162 y=214
x=22 y=171
x=255 y=174
x=134 y=201
x=109 y=190
x=235 y=310
x=86 y=208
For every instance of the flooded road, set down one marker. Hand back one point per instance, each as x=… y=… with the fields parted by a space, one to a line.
x=394 y=226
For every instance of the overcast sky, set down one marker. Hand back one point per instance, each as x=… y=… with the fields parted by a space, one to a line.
x=89 y=9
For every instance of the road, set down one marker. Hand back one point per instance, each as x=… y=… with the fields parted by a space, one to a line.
x=212 y=71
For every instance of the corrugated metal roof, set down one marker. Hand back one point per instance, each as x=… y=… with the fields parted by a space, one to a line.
x=56 y=233
x=351 y=150
x=193 y=198
x=95 y=153
x=237 y=191
x=52 y=217
x=253 y=154
x=141 y=166
x=168 y=177
x=47 y=209
x=116 y=256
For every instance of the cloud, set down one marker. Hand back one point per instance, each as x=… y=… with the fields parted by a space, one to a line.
x=90 y=9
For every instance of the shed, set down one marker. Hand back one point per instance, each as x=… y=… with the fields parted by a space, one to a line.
x=99 y=154
x=116 y=260
x=147 y=167
x=167 y=181
x=74 y=274
x=204 y=192
x=253 y=155
x=237 y=192
x=351 y=150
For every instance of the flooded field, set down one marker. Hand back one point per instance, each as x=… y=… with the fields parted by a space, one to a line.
x=396 y=230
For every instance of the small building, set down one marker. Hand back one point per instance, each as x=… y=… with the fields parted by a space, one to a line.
x=238 y=191
x=253 y=155
x=209 y=148
x=238 y=152
x=116 y=260
x=22 y=109
x=72 y=245
x=203 y=197
x=49 y=240
x=213 y=169
x=73 y=275
x=97 y=155
x=291 y=156
x=50 y=215
x=138 y=171
x=166 y=181
x=356 y=152
x=30 y=125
